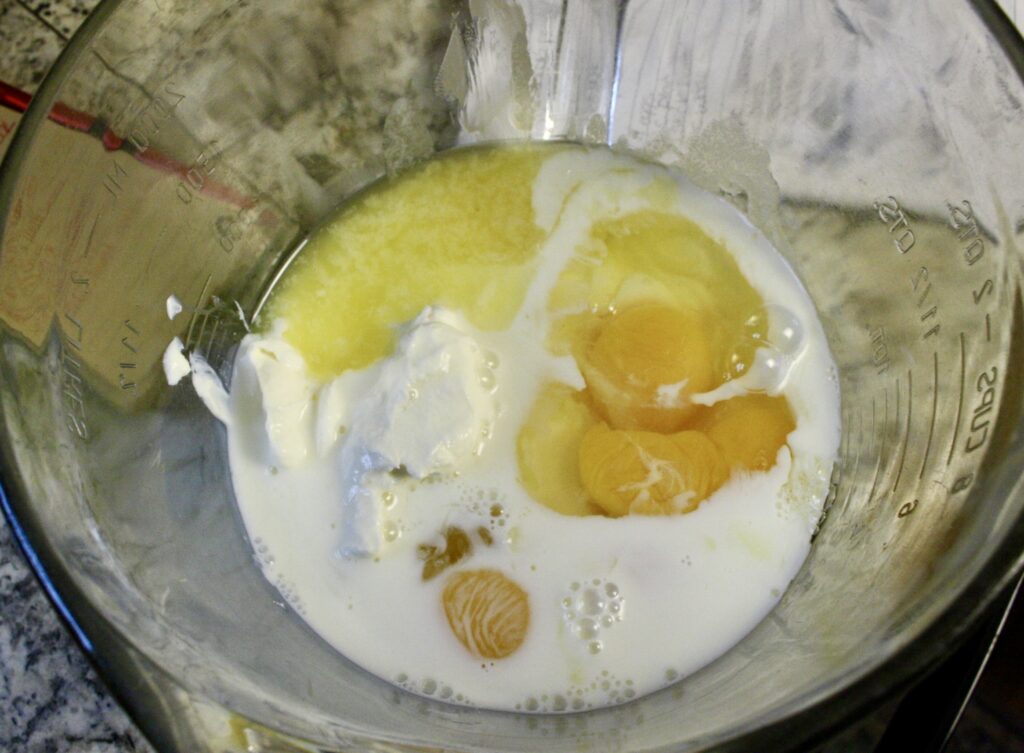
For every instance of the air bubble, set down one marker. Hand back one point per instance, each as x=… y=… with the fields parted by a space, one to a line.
x=413 y=393
x=429 y=687
x=532 y=704
x=591 y=602
x=491 y=359
x=389 y=499
x=587 y=628
x=785 y=331
x=671 y=675
x=607 y=620
x=595 y=647
x=446 y=692
x=769 y=370
x=559 y=703
x=401 y=677
x=391 y=531
x=487 y=380
x=611 y=590
x=577 y=704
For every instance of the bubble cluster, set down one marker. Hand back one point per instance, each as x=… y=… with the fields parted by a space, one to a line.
x=264 y=557
x=487 y=505
x=290 y=593
x=604 y=689
x=430 y=687
x=592 y=608
x=771 y=340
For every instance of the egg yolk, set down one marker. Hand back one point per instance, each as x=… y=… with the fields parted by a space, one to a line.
x=644 y=365
x=647 y=473
x=749 y=430
x=654 y=311
x=547 y=450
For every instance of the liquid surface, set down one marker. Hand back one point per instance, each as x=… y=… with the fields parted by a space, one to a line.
x=625 y=416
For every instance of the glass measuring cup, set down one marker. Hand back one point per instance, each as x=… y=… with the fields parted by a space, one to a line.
x=878 y=146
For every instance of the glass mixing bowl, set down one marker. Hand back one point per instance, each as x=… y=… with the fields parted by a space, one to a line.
x=880 y=145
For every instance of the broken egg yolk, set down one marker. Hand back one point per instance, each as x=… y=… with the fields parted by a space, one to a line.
x=645 y=363
x=647 y=473
x=654 y=312
x=749 y=429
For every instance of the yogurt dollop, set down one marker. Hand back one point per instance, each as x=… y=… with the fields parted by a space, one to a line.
x=425 y=410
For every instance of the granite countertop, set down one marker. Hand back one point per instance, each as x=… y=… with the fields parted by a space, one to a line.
x=50 y=698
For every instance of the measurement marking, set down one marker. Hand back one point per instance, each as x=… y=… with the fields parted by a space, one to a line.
x=213 y=335
x=89 y=237
x=906 y=433
x=988 y=328
x=202 y=329
x=844 y=440
x=125 y=343
x=881 y=452
x=196 y=311
x=960 y=401
x=278 y=275
x=127 y=365
x=856 y=461
x=935 y=409
x=873 y=435
x=76 y=341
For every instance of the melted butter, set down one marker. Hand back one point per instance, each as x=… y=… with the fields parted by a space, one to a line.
x=456 y=232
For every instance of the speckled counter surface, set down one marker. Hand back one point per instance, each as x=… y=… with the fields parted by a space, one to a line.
x=51 y=701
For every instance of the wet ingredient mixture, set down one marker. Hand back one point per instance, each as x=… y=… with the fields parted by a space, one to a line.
x=536 y=428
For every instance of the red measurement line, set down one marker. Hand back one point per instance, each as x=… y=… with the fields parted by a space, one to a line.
x=17 y=100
